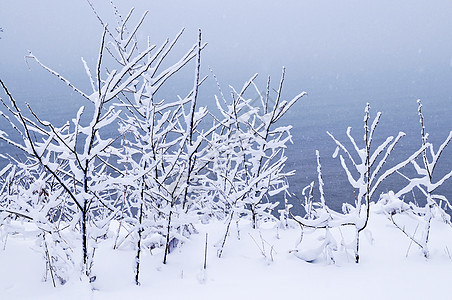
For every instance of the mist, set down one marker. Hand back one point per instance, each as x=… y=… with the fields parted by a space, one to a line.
x=343 y=53
x=310 y=38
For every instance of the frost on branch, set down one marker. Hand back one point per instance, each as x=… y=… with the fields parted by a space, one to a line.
x=163 y=172
x=133 y=169
x=247 y=155
x=29 y=193
x=435 y=204
x=363 y=168
x=77 y=157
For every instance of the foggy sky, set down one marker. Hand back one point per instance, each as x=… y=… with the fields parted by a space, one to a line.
x=308 y=37
x=343 y=53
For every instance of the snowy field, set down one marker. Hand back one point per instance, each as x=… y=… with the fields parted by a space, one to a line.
x=390 y=268
x=143 y=191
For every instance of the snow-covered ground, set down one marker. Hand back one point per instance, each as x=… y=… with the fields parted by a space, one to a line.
x=385 y=270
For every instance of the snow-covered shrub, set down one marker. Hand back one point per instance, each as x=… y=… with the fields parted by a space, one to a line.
x=157 y=159
x=247 y=155
x=412 y=220
x=78 y=155
x=29 y=195
x=435 y=204
x=317 y=224
x=164 y=171
x=363 y=173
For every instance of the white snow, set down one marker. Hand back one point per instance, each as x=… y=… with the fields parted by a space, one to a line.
x=385 y=270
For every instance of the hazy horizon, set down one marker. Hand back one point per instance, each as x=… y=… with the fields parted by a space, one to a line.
x=310 y=38
x=343 y=54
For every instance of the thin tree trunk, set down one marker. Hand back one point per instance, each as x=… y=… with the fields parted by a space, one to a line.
x=84 y=241
x=357 y=246
x=168 y=236
x=220 y=251
x=140 y=231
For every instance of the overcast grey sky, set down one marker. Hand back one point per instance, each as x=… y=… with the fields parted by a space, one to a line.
x=308 y=36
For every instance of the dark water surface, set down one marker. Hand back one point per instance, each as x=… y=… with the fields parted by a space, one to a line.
x=335 y=107
x=334 y=102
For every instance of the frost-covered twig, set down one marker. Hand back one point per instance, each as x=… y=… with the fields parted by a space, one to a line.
x=424 y=183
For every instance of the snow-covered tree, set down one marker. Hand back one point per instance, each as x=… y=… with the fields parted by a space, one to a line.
x=435 y=204
x=30 y=194
x=157 y=158
x=76 y=154
x=363 y=172
x=247 y=154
